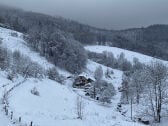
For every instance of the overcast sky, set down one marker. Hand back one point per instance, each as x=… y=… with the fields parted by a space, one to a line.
x=111 y=14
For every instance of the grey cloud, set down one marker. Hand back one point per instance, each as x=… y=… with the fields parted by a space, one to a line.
x=110 y=14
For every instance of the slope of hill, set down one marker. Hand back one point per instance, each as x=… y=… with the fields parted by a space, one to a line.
x=129 y=55
x=56 y=103
x=16 y=43
x=151 y=40
x=5 y=84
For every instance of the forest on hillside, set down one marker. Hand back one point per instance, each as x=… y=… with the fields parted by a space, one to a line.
x=47 y=33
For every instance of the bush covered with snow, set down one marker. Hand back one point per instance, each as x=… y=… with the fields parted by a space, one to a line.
x=102 y=91
x=14 y=34
x=54 y=75
x=34 y=91
x=17 y=63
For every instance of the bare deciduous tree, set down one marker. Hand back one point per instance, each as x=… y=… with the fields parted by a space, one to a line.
x=80 y=107
x=156 y=74
x=98 y=74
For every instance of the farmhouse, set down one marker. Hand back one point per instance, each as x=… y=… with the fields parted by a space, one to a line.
x=82 y=81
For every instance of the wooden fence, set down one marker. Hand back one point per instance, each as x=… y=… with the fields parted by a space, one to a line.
x=10 y=114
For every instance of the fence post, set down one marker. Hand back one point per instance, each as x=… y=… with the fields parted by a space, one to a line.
x=20 y=119
x=6 y=111
x=31 y=123
x=11 y=115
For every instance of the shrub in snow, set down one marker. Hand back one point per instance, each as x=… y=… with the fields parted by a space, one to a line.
x=107 y=91
x=33 y=70
x=123 y=63
x=19 y=64
x=14 y=34
x=24 y=66
x=98 y=74
x=3 y=58
x=105 y=96
x=108 y=73
x=34 y=91
x=102 y=91
x=11 y=76
x=60 y=79
x=54 y=75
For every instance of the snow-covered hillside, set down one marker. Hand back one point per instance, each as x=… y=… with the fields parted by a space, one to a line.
x=56 y=103
x=129 y=55
x=5 y=84
x=16 y=43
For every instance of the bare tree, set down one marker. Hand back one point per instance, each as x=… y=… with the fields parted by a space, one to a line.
x=102 y=91
x=80 y=107
x=156 y=74
x=125 y=88
x=136 y=84
x=52 y=73
x=137 y=65
x=108 y=73
x=98 y=74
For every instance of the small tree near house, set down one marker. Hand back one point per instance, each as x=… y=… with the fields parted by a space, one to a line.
x=52 y=73
x=102 y=91
x=98 y=74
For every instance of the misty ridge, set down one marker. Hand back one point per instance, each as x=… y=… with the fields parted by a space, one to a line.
x=109 y=14
x=150 y=40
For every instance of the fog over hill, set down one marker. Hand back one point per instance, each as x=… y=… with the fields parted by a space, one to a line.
x=150 y=40
x=109 y=14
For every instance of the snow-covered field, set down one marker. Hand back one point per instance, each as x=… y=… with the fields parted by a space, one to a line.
x=129 y=55
x=56 y=104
